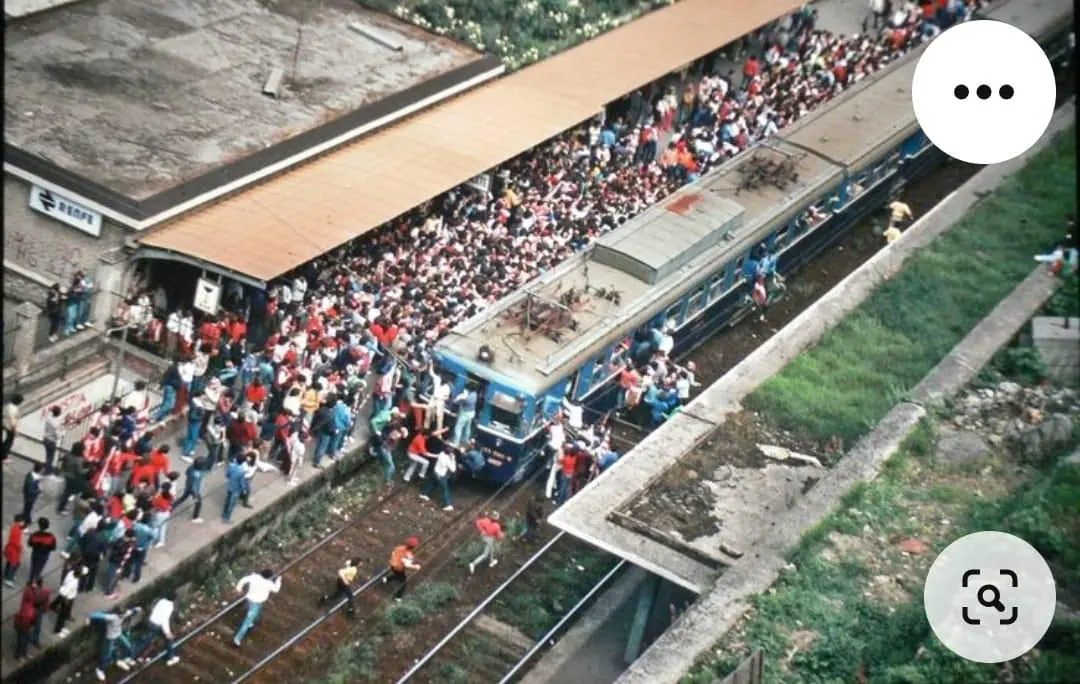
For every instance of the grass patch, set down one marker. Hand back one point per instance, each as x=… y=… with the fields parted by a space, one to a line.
x=851 y=610
x=352 y=662
x=280 y=544
x=859 y=370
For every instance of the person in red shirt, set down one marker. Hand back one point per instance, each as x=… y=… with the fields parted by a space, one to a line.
x=418 y=455
x=94 y=445
x=237 y=330
x=144 y=472
x=752 y=68
x=13 y=549
x=256 y=392
x=240 y=433
x=161 y=508
x=567 y=468
x=35 y=598
x=491 y=533
x=159 y=458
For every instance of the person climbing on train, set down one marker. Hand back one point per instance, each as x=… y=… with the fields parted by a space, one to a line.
x=491 y=533
x=402 y=560
x=419 y=457
x=444 y=469
x=343 y=587
x=256 y=588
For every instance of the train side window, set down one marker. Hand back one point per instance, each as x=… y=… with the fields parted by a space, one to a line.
x=674 y=313
x=697 y=303
x=716 y=285
x=780 y=241
x=506 y=412
x=738 y=267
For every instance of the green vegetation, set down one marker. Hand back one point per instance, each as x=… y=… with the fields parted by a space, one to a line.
x=519 y=33
x=552 y=587
x=319 y=514
x=1064 y=302
x=850 y=608
x=880 y=351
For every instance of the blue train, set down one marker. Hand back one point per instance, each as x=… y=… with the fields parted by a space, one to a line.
x=681 y=265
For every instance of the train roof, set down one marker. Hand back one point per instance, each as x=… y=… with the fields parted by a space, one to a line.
x=588 y=302
x=669 y=234
x=591 y=300
x=875 y=114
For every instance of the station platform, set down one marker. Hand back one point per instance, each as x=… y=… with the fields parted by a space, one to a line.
x=185 y=540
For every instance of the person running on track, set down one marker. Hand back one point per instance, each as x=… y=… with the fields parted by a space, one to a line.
x=259 y=586
x=346 y=577
x=402 y=560
x=491 y=532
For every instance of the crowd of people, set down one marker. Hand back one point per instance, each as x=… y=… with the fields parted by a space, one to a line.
x=290 y=367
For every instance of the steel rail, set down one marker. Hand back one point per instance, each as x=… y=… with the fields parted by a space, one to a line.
x=481 y=607
x=203 y=626
x=270 y=657
x=310 y=627
x=570 y=614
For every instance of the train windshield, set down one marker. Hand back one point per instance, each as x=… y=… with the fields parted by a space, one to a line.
x=506 y=412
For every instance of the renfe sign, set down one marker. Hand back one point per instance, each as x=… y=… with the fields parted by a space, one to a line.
x=64 y=210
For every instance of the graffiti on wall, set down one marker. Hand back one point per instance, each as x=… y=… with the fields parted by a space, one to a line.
x=44 y=256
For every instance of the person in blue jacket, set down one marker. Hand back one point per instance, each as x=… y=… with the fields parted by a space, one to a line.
x=195 y=417
x=341 y=419
x=236 y=483
x=170 y=384
x=193 y=479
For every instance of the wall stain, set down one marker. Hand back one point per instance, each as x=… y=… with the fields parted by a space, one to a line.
x=50 y=258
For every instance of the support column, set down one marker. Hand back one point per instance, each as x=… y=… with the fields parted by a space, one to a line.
x=27 y=316
x=646 y=599
x=108 y=286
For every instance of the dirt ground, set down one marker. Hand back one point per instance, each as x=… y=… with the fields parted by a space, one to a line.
x=727 y=488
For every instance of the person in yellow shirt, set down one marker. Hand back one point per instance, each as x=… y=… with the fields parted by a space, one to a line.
x=891 y=233
x=346 y=578
x=309 y=403
x=899 y=214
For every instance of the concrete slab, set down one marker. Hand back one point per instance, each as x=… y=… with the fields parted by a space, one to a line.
x=142 y=95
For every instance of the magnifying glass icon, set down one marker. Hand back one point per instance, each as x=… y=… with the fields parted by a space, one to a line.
x=995 y=600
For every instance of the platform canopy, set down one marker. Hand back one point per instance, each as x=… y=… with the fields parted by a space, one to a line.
x=272 y=228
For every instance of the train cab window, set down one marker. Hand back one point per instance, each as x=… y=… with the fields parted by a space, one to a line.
x=506 y=412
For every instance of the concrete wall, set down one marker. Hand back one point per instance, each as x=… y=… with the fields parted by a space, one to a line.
x=45 y=250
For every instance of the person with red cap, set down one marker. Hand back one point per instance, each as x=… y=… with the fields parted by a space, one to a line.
x=401 y=560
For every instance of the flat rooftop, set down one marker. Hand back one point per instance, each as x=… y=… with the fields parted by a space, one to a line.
x=140 y=96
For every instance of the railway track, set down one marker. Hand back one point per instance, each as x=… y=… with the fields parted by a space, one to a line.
x=277 y=649
x=492 y=650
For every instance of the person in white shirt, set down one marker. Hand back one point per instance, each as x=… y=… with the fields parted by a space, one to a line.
x=257 y=588
x=556 y=439
x=297 y=451
x=65 y=596
x=445 y=466
x=160 y=615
